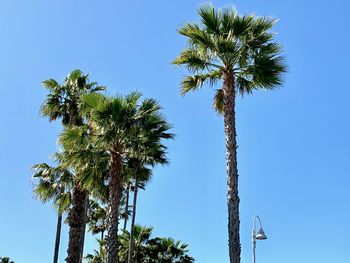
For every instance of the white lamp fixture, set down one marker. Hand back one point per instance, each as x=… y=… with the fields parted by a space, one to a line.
x=257 y=235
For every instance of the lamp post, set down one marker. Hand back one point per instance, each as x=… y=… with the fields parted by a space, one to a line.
x=260 y=235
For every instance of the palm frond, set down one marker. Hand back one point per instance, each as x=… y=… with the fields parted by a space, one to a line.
x=197 y=37
x=192 y=59
x=218 y=103
x=228 y=17
x=194 y=82
x=267 y=72
x=210 y=18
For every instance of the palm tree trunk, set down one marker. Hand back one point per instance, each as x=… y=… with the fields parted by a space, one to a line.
x=77 y=225
x=231 y=167
x=127 y=205
x=131 y=239
x=84 y=226
x=115 y=189
x=58 y=238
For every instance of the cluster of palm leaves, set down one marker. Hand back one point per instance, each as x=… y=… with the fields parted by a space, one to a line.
x=107 y=149
x=147 y=249
x=110 y=144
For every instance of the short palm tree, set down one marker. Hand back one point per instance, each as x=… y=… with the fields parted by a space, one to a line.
x=240 y=51
x=169 y=251
x=54 y=184
x=99 y=256
x=97 y=218
x=63 y=102
x=141 y=237
x=153 y=250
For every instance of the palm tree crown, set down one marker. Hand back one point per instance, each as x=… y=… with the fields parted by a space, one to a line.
x=63 y=100
x=225 y=41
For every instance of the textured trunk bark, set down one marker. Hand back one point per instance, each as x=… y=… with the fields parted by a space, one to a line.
x=58 y=238
x=231 y=167
x=127 y=205
x=84 y=226
x=115 y=188
x=131 y=240
x=76 y=225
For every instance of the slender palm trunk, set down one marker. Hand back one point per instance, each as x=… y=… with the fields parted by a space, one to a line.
x=127 y=205
x=131 y=239
x=231 y=167
x=76 y=219
x=115 y=189
x=58 y=237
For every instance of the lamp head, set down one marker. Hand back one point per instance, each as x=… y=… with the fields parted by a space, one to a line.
x=261 y=235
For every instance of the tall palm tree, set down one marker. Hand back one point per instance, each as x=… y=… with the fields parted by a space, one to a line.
x=63 y=102
x=54 y=183
x=115 y=127
x=241 y=51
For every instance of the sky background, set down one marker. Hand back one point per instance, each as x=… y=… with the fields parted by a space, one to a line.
x=294 y=144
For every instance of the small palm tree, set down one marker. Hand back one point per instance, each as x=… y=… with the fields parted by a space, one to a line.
x=63 y=102
x=170 y=251
x=100 y=256
x=141 y=238
x=97 y=218
x=240 y=51
x=54 y=184
x=153 y=250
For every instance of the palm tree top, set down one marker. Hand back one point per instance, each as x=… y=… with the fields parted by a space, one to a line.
x=225 y=42
x=63 y=100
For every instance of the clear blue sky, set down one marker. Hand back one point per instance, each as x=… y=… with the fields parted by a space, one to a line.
x=294 y=142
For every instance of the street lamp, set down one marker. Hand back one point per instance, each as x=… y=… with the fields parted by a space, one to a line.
x=260 y=235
